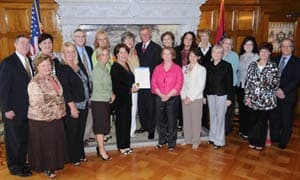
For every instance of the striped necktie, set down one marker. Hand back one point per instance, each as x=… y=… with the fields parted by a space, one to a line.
x=144 y=48
x=85 y=63
x=27 y=67
x=282 y=64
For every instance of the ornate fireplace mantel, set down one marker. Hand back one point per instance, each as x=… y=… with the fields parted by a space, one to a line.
x=184 y=13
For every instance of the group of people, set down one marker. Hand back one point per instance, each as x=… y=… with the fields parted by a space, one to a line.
x=45 y=102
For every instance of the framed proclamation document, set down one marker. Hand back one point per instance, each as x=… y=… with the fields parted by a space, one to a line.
x=142 y=77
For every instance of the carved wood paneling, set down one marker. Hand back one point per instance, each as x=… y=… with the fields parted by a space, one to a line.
x=15 y=19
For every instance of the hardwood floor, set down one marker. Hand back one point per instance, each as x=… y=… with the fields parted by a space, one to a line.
x=234 y=161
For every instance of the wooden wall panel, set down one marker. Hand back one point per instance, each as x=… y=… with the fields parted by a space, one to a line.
x=15 y=19
x=207 y=20
x=246 y=20
x=239 y=21
x=48 y=19
x=229 y=20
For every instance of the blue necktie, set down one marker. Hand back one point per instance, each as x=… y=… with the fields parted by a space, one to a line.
x=282 y=64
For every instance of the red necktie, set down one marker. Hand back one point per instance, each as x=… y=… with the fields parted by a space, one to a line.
x=144 y=48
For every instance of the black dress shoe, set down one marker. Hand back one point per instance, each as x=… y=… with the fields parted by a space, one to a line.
x=151 y=136
x=139 y=131
x=26 y=169
x=21 y=173
x=282 y=146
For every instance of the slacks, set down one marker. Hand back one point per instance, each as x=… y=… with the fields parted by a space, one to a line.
x=16 y=142
x=146 y=106
x=282 y=118
x=217 y=109
x=167 y=120
x=259 y=127
x=123 y=124
x=244 y=112
x=74 y=129
x=192 y=116
x=230 y=114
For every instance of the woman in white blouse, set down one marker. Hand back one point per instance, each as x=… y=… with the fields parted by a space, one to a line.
x=192 y=98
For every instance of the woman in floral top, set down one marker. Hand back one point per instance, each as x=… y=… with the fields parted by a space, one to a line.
x=261 y=84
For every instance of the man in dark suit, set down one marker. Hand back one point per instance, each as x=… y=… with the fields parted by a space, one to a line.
x=85 y=63
x=281 y=122
x=149 y=54
x=16 y=72
x=84 y=52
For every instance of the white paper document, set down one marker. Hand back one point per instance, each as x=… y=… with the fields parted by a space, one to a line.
x=142 y=77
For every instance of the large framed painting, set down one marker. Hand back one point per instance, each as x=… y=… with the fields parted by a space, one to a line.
x=280 y=30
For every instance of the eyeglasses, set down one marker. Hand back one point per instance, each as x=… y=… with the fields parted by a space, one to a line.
x=287 y=46
x=79 y=36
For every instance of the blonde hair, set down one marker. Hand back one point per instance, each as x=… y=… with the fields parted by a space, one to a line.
x=66 y=45
x=99 y=51
x=204 y=31
x=217 y=48
x=98 y=33
x=41 y=58
x=171 y=50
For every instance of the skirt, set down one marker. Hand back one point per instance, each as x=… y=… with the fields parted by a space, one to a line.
x=101 y=117
x=47 y=145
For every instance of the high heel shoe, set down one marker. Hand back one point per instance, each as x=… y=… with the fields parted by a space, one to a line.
x=98 y=152
x=76 y=164
x=124 y=151
x=105 y=159
x=50 y=174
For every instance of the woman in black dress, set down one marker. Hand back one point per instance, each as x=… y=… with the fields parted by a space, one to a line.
x=122 y=86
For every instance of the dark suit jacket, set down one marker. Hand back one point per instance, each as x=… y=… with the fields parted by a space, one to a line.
x=152 y=56
x=13 y=86
x=290 y=77
x=89 y=51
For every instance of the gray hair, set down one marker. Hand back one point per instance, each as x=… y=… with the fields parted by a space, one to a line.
x=290 y=40
x=128 y=35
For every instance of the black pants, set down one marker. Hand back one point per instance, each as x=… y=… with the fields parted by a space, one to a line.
x=244 y=120
x=166 y=120
x=205 y=116
x=179 y=114
x=229 y=114
x=74 y=129
x=281 y=122
x=16 y=142
x=258 y=127
x=123 y=124
x=146 y=110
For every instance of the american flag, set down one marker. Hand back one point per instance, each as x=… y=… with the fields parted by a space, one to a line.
x=35 y=27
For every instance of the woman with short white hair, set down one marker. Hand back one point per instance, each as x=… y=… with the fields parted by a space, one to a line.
x=218 y=92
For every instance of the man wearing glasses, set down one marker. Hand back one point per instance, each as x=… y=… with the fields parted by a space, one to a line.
x=281 y=122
